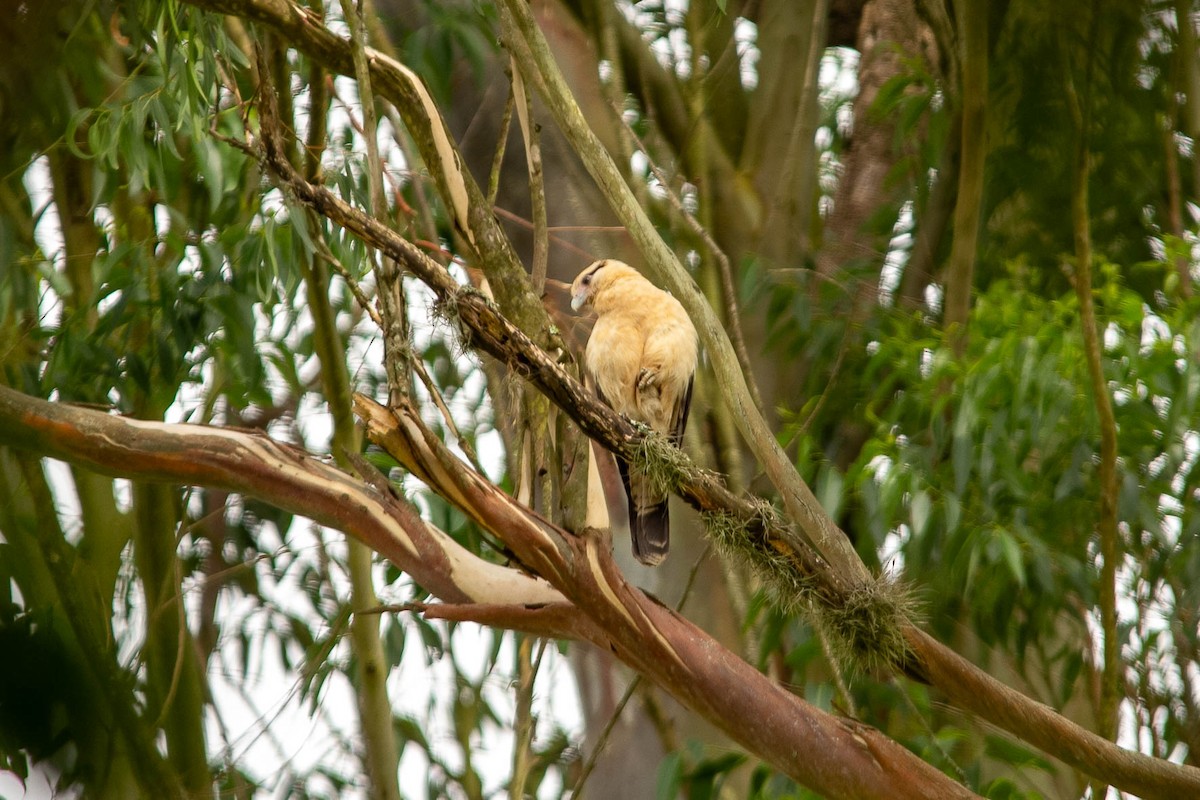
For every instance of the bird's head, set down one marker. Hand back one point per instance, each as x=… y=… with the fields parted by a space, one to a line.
x=595 y=278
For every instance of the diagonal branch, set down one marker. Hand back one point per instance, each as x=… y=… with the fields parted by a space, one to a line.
x=532 y=54
x=486 y=329
x=468 y=209
x=857 y=760
x=253 y=464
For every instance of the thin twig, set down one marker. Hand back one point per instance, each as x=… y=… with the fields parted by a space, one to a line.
x=181 y=643
x=523 y=719
x=390 y=176
x=356 y=289
x=389 y=291
x=524 y=223
x=537 y=188
x=835 y=669
x=602 y=740
x=833 y=374
x=375 y=717
x=501 y=144
x=1079 y=104
x=418 y=366
x=423 y=211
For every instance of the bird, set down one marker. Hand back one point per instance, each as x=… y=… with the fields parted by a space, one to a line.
x=641 y=358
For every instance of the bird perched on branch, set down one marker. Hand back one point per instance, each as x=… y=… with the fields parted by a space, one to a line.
x=641 y=357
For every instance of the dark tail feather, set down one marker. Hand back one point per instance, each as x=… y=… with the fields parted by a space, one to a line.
x=651 y=531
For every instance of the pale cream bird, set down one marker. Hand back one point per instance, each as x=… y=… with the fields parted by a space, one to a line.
x=641 y=356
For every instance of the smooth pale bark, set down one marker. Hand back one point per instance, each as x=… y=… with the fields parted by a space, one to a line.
x=288 y=478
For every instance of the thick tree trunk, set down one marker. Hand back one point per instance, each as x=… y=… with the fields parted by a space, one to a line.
x=856 y=239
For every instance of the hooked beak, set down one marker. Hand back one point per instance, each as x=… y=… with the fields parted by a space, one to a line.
x=578 y=298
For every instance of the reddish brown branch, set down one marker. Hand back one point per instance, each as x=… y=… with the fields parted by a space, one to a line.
x=970 y=688
x=250 y=463
x=856 y=760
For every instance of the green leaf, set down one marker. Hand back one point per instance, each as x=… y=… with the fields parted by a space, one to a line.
x=71 y=136
x=670 y=777
x=1010 y=550
x=921 y=508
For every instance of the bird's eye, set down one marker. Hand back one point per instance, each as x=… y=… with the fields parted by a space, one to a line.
x=587 y=279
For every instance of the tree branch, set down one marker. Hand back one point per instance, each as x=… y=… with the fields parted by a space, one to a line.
x=1112 y=668
x=251 y=463
x=469 y=212
x=857 y=761
x=757 y=531
x=486 y=329
x=659 y=643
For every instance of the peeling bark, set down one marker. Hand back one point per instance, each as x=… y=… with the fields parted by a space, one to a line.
x=856 y=761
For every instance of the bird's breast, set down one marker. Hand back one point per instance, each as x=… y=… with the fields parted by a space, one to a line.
x=614 y=355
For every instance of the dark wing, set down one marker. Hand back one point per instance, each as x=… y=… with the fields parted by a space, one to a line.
x=680 y=416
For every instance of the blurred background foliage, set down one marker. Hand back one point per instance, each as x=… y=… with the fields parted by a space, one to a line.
x=173 y=641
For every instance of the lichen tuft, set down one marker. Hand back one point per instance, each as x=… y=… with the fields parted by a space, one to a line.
x=863 y=628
